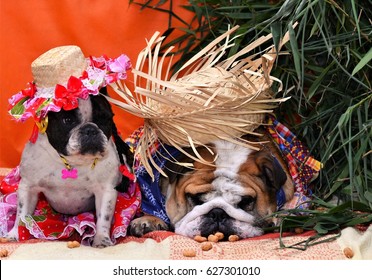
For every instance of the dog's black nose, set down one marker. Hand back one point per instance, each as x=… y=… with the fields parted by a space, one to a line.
x=217 y=214
x=89 y=130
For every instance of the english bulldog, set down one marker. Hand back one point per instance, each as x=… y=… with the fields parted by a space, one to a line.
x=235 y=195
x=75 y=164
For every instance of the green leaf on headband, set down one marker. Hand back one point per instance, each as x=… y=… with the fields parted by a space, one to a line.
x=18 y=109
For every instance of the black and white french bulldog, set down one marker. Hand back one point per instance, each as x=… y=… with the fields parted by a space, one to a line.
x=75 y=164
x=234 y=196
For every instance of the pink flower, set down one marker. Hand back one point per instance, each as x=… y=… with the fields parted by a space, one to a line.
x=120 y=65
x=94 y=80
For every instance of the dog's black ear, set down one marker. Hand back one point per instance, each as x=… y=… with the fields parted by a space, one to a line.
x=125 y=157
x=103 y=91
x=124 y=185
x=124 y=152
x=174 y=171
x=272 y=172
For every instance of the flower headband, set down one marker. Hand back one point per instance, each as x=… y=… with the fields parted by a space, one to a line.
x=65 y=63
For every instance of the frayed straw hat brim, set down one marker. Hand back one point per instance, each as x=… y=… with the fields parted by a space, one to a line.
x=206 y=100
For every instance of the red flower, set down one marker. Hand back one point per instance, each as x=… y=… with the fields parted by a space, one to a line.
x=30 y=92
x=99 y=62
x=67 y=98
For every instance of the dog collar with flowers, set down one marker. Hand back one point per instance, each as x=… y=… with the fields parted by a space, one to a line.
x=36 y=102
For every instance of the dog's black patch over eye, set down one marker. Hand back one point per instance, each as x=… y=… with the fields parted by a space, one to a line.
x=247 y=203
x=195 y=199
x=59 y=126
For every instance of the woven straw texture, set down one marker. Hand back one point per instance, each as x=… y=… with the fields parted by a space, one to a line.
x=207 y=99
x=57 y=65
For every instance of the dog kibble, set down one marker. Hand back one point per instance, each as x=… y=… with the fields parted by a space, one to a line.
x=200 y=239
x=299 y=230
x=206 y=246
x=213 y=238
x=189 y=253
x=348 y=253
x=4 y=240
x=73 y=244
x=233 y=238
x=219 y=235
x=4 y=253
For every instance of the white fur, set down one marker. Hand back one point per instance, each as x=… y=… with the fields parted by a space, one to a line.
x=85 y=109
x=41 y=171
x=189 y=224
x=226 y=194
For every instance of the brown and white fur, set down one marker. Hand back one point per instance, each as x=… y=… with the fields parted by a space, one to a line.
x=236 y=195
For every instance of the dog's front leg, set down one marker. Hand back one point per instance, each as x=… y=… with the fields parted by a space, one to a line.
x=105 y=207
x=26 y=202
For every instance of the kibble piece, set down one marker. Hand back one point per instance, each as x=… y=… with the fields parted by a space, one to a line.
x=348 y=253
x=220 y=235
x=206 y=246
x=212 y=238
x=4 y=240
x=73 y=244
x=4 y=253
x=233 y=238
x=299 y=230
x=200 y=239
x=189 y=253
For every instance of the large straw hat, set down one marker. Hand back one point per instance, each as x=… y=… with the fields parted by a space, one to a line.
x=62 y=75
x=207 y=99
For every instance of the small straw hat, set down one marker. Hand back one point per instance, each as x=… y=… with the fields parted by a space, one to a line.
x=57 y=65
x=62 y=75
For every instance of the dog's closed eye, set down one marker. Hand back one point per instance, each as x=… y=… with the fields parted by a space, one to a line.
x=195 y=199
x=247 y=203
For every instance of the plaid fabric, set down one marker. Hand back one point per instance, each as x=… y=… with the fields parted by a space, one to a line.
x=302 y=167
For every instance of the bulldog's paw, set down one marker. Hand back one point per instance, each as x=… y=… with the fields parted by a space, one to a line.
x=101 y=241
x=141 y=226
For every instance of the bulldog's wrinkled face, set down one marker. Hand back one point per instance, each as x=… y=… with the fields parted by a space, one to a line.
x=79 y=132
x=234 y=196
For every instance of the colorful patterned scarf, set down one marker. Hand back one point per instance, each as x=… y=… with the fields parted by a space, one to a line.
x=302 y=167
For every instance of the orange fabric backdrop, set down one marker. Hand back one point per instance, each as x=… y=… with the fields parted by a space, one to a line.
x=30 y=28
